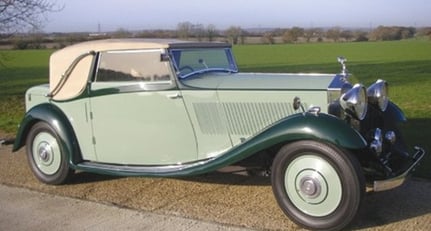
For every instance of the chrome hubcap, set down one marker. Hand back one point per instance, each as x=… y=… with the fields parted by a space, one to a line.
x=313 y=185
x=310 y=187
x=44 y=152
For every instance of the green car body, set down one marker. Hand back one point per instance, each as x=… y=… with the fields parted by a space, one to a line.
x=172 y=108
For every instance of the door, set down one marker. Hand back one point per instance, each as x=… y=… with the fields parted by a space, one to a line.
x=138 y=114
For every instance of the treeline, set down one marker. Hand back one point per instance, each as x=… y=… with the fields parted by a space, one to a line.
x=237 y=35
x=336 y=34
x=383 y=33
x=233 y=35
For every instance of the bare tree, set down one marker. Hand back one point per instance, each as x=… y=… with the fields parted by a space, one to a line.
x=347 y=35
x=18 y=15
x=234 y=33
x=292 y=35
x=211 y=32
x=309 y=34
x=198 y=31
x=184 y=30
x=268 y=38
x=334 y=34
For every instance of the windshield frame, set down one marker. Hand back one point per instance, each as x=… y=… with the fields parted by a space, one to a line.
x=231 y=68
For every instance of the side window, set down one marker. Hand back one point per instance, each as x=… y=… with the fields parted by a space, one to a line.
x=133 y=65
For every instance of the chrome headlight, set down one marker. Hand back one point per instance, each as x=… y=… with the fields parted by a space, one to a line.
x=378 y=94
x=355 y=101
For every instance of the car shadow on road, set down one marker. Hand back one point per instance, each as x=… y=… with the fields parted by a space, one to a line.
x=406 y=202
x=233 y=175
x=86 y=177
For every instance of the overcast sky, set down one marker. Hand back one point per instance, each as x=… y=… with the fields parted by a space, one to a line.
x=86 y=15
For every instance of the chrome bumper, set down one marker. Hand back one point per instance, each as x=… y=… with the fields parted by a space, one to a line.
x=394 y=182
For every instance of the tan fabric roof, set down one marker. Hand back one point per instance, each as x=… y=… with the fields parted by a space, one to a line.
x=61 y=60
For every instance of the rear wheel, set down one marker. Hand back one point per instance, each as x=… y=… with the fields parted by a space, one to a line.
x=318 y=186
x=45 y=155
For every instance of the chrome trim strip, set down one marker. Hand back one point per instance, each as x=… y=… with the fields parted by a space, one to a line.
x=144 y=169
x=394 y=182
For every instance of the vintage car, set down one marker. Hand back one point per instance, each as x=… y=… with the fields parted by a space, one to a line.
x=169 y=108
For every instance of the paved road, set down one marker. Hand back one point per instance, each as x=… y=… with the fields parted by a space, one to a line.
x=23 y=209
x=216 y=198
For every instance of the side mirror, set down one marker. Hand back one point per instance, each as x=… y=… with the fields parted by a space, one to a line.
x=164 y=57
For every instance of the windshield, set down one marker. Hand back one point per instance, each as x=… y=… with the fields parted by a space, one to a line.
x=188 y=62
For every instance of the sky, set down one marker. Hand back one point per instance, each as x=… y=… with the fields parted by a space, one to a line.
x=87 y=15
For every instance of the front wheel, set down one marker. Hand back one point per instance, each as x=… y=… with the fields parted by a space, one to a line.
x=318 y=186
x=45 y=155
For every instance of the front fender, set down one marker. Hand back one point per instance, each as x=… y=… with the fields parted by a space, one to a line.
x=308 y=126
x=394 y=113
x=54 y=117
x=301 y=126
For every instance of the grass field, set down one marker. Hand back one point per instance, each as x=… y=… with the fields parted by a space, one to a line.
x=19 y=70
x=406 y=65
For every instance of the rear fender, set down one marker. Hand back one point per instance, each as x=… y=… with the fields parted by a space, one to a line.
x=54 y=117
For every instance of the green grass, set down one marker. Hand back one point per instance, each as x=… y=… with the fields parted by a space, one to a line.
x=18 y=71
x=406 y=65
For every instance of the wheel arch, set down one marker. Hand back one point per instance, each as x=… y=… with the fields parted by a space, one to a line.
x=307 y=126
x=53 y=116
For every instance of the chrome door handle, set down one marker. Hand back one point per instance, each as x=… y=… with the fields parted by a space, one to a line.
x=175 y=96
